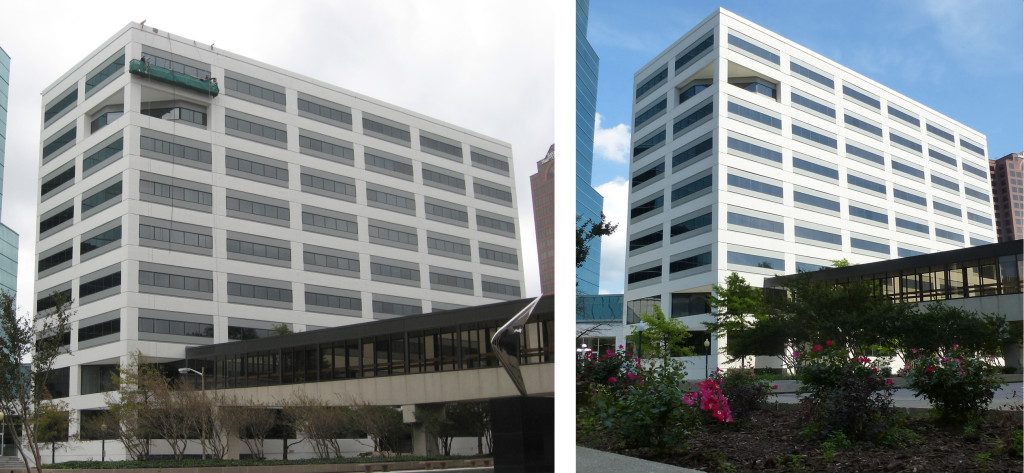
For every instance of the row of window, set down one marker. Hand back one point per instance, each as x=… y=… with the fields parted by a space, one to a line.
x=774 y=190
x=869 y=100
x=273 y=133
x=241 y=247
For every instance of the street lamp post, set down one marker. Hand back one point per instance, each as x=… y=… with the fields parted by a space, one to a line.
x=707 y=354
x=3 y=429
x=640 y=327
x=202 y=383
x=103 y=442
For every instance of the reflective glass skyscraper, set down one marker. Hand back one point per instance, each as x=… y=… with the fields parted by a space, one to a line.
x=8 y=238
x=588 y=201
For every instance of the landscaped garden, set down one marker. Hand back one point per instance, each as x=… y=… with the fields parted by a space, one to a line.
x=841 y=343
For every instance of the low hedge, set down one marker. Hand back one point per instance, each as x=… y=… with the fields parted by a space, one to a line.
x=212 y=463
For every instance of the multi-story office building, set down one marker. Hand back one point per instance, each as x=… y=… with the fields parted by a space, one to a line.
x=8 y=237
x=1007 y=175
x=542 y=185
x=588 y=201
x=191 y=196
x=753 y=154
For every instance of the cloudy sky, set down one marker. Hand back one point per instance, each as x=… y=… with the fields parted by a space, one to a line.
x=961 y=58
x=484 y=66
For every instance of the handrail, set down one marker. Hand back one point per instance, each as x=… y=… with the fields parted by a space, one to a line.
x=163 y=74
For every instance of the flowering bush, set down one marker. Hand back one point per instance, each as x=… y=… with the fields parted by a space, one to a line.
x=847 y=394
x=710 y=398
x=745 y=391
x=959 y=385
x=649 y=413
x=614 y=368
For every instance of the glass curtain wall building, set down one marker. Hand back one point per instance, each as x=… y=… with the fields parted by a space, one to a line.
x=8 y=237
x=753 y=154
x=588 y=201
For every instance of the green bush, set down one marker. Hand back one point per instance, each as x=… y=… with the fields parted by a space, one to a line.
x=212 y=462
x=648 y=413
x=959 y=385
x=614 y=369
x=847 y=394
x=745 y=391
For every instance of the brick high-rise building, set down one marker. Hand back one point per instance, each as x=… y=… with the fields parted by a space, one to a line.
x=543 y=186
x=1008 y=195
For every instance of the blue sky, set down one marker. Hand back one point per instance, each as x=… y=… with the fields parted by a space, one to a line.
x=962 y=58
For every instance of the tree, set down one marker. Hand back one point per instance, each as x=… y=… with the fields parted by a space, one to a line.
x=586 y=232
x=172 y=413
x=455 y=419
x=24 y=397
x=383 y=424
x=737 y=308
x=252 y=422
x=322 y=424
x=853 y=314
x=736 y=305
x=281 y=329
x=841 y=263
x=473 y=418
x=938 y=328
x=440 y=425
x=129 y=415
x=663 y=337
x=54 y=421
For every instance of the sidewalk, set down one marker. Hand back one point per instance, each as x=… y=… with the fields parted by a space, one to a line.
x=595 y=461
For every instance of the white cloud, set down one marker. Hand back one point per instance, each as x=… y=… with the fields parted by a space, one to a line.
x=974 y=32
x=613 y=247
x=611 y=144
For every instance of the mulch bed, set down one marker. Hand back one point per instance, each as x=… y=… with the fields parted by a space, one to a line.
x=770 y=441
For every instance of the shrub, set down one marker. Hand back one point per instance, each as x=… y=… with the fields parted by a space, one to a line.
x=959 y=385
x=847 y=394
x=647 y=413
x=710 y=399
x=616 y=369
x=745 y=391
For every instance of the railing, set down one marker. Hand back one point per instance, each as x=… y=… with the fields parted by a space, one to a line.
x=162 y=74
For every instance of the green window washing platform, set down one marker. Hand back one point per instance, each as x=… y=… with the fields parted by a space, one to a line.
x=162 y=74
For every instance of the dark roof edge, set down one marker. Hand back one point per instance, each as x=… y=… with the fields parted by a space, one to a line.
x=379 y=327
x=993 y=250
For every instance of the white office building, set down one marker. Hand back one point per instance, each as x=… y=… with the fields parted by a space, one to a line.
x=757 y=155
x=191 y=196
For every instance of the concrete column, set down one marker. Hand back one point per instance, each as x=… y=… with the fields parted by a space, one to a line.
x=423 y=443
x=233 y=446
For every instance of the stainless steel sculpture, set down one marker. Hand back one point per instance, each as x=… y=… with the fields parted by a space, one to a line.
x=506 y=344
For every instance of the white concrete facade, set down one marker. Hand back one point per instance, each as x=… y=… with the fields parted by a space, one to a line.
x=238 y=230
x=831 y=166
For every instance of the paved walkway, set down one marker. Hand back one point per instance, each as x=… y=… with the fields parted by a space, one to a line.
x=595 y=461
x=905 y=397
